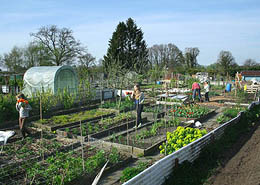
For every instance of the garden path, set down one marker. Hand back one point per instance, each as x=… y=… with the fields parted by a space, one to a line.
x=114 y=178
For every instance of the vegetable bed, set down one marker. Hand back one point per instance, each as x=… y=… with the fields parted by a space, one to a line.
x=190 y=112
x=153 y=112
x=61 y=121
x=229 y=113
x=143 y=140
x=34 y=147
x=91 y=128
x=73 y=167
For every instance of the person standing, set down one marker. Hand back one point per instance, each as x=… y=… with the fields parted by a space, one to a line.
x=206 y=87
x=196 y=89
x=23 y=107
x=138 y=97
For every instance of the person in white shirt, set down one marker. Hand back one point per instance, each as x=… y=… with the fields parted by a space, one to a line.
x=206 y=88
x=23 y=107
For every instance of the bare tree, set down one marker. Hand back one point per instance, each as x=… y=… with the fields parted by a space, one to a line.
x=164 y=56
x=250 y=63
x=34 y=55
x=86 y=59
x=59 y=44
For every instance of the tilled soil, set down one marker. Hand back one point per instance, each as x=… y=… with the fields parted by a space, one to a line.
x=244 y=167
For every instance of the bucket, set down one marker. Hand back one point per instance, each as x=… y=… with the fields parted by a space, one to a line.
x=228 y=87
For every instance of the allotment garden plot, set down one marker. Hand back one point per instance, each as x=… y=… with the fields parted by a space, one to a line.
x=72 y=148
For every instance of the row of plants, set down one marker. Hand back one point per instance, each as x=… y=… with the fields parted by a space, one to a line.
x=32 y=147
x=154 y=129
x=151 y=86
x=70 y=118
x=153 y=109
x=125 y=105
x=180 y=138
x=137 y=139
x=130 y=172
x=229 y=113
x=63 y=167
x=46 y=99
x=188 y=111
x=213 y=156
x=103 y=124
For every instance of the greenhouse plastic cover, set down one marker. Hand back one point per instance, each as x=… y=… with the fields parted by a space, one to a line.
x=37 y=78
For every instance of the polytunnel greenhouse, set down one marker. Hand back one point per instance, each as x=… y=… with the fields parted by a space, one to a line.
x=50 y=78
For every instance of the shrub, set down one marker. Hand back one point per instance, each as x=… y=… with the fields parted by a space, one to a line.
x=180 y=138
x=130 y=172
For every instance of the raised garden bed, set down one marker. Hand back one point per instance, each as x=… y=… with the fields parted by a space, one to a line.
x=116 y=129
x=66 y=168
x=34 y=148
x=153 y=112
x=141 y=141
x=99 y=128
x=62 y=121
x=229 y=113
x=54 y=112
x=190 y=112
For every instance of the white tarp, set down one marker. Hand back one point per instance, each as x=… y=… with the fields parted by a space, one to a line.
x=5 y=135
x=179 y=90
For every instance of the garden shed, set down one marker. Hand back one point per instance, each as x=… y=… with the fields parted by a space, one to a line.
x=50 y=78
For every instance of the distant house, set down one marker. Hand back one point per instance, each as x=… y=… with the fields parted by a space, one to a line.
x=250 y=75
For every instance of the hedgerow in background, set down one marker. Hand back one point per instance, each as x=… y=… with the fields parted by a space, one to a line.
x=67 y=98
x=47 y=99
x=124 y=105
x=85 y=91
x=7 y=108
x=180 y=138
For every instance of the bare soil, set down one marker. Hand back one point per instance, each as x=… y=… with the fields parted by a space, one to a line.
x=242 y=166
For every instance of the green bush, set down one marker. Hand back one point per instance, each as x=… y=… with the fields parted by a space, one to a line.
x=7 y=108
x=130 y=172
x=190 y=81
x=180 y=138
x=229 y=113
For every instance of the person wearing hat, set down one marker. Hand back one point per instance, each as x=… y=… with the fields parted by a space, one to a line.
x=206 y=88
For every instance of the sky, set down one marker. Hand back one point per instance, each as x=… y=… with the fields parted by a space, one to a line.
x=210 y=25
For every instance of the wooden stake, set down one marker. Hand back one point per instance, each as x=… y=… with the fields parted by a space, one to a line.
x=82 y=149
